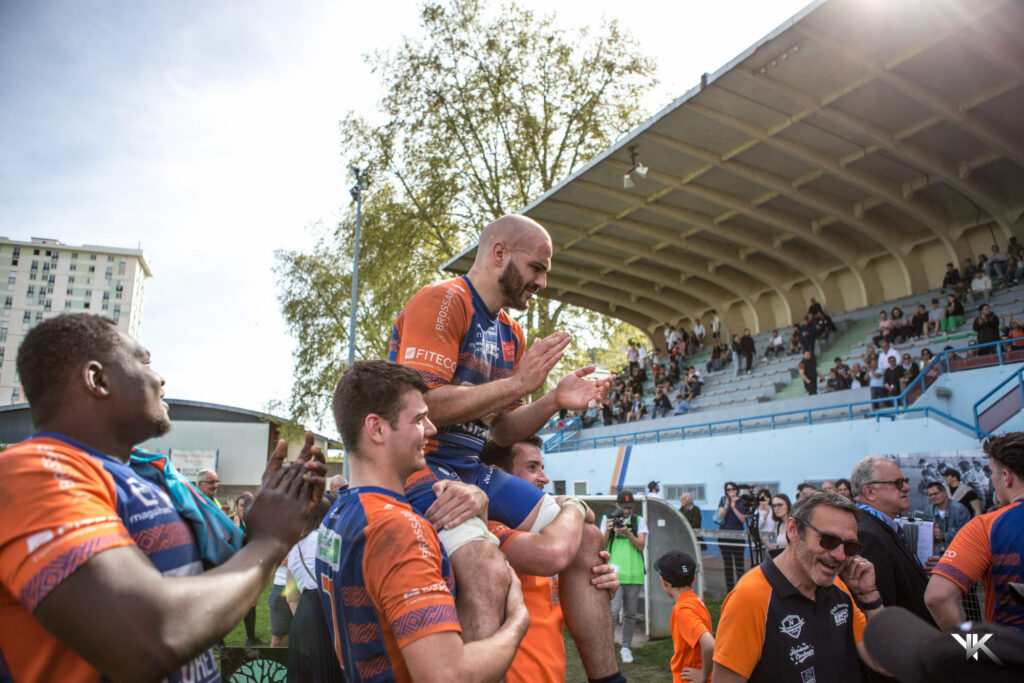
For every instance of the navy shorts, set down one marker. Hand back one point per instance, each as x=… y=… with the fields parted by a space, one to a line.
x=511 y=499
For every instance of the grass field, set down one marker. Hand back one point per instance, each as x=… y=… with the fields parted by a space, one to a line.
x=650 y=663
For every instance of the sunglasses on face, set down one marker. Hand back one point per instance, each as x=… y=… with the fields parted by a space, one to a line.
x=731 y=489
x=831 y=541
x=898 y=483
x=778 y=505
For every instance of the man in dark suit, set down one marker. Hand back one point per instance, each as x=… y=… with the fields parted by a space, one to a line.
x=881 y=492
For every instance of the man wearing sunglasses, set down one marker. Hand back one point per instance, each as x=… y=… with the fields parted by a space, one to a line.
x=793 y=618
x=882 y=494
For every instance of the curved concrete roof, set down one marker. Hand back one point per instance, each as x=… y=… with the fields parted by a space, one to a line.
x=847 y=156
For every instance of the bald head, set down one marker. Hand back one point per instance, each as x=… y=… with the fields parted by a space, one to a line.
x=512 y=261
x=515 y=233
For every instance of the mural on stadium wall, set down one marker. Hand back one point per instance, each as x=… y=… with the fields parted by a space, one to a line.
x=923 y=468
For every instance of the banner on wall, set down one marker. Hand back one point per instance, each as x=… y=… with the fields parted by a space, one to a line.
x=190 y=463
x=925 y=467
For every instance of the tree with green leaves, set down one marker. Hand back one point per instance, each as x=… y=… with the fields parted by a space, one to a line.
x=484 y=112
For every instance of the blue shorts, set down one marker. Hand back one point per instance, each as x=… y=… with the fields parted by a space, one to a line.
x=511 y=498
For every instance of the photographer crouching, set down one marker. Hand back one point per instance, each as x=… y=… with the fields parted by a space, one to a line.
x=625 y=536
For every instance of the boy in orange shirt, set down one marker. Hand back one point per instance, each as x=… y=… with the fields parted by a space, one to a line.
x=693 y=644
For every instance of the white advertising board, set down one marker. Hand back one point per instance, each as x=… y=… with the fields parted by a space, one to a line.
x=190 y=463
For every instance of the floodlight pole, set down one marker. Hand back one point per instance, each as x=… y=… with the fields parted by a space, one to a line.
x=357 y=194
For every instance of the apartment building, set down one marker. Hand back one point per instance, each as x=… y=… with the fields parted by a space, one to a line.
x=46 y=277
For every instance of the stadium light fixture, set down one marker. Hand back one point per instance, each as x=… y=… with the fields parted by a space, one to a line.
x=636 y=167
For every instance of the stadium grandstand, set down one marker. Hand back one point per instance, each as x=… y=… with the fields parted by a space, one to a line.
x=846 y=158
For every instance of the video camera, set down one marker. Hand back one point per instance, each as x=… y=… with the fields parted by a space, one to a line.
x=747 y=497
x=619 y=518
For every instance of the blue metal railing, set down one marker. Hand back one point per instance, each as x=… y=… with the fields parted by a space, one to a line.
x=1016 y=377
x=945 y=361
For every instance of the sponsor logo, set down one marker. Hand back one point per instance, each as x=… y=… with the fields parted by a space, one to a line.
x=328 y=548
x=443 y=312
x=792 y=625
x=973 y=643
x=807 y=676
x=508 y=350
x=840 y=613
x=439 y=587
x=799 y=653
x=414 y=353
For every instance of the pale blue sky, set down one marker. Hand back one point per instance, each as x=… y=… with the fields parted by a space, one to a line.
x=207 y=133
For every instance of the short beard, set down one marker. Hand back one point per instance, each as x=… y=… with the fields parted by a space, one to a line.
x=512 y=285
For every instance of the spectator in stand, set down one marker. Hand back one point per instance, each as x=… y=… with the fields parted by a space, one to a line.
x=926 y=358
x=682 y=407
x=858 y=376
x=947 y=515
x=832 y=381
x=699 y=332
x=951 y=277
x=884 y=329
x=808 y=369
x=887 y=353
x=662 y=405
x=1015 y=331
x=962 y=493
x=986 y=326
x=891 y=379
x=909 y=372
x=732 y=516
x=693 y=383
x=843 y=373
x=967 y=272
x=794 y=341
x=1014 y=249
x=1014 y=272
x=607 y=413
x=736 y=354
x=638 y=409
x=935 y=316
x=747 y=350
x=773 y=348
x=715 y=362
x=641 y=356
x=633 y=358
x=843 y=488
x=918 y=322
x=995 y=267
x=981 y=286
x=877 y=383
x=900 y=325
x=672 y=376
x=780 y=511
x=716 y=326
x=808 y=335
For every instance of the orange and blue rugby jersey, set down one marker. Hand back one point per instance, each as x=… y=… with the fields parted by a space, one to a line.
x=384 y=582
x=61 y=503
x=447 y=334
x=990 y=547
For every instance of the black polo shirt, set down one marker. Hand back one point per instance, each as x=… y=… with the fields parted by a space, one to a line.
x=770 y=632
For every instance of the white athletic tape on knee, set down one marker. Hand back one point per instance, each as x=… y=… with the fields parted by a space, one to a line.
x=471 y=530
x=549 y=509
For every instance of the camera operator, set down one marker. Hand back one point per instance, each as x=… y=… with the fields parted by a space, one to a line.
x=625 y=536
x=732 y=516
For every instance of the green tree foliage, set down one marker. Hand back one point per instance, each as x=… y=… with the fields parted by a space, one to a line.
x=483 y=113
